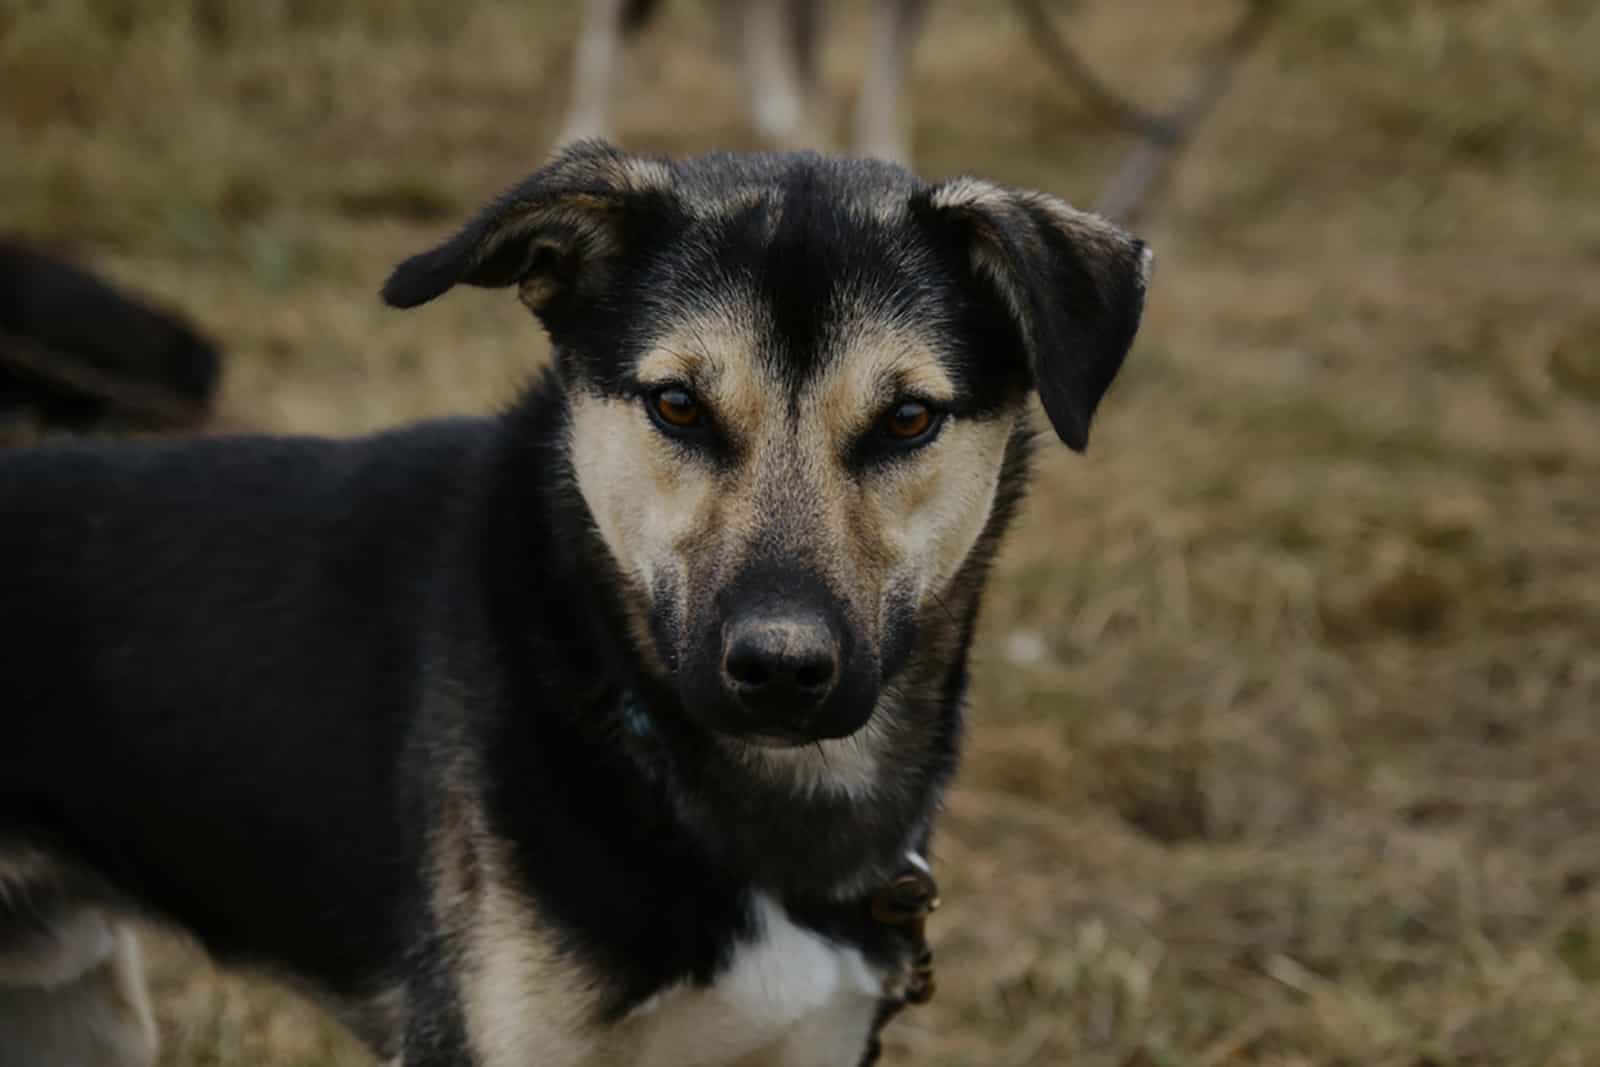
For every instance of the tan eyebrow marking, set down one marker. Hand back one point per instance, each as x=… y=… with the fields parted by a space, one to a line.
x=712 y=355
x=879 y=363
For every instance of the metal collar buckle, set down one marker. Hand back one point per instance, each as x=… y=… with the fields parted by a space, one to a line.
x=905 y=904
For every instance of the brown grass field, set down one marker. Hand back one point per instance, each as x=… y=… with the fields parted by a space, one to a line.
x=1286 y=727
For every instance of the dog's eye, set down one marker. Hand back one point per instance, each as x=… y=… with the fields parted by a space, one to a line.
x=909 y=421
x=676 y=407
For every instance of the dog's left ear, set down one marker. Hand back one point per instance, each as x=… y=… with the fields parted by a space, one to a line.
x=556 y=236
x=1071 y=283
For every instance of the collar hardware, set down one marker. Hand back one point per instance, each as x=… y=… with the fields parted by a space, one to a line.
x=905 y=904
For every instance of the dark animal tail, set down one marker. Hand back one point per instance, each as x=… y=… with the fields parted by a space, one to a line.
x=635 y=13
x=75 y=348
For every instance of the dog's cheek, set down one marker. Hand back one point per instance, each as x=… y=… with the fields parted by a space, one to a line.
x=645 y=500
x=937 y=506
x=601 y=449
x=900 y=629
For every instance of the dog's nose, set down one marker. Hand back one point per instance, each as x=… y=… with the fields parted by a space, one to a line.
x=780 y=666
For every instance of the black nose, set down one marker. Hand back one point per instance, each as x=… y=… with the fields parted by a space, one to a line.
x=780 y=666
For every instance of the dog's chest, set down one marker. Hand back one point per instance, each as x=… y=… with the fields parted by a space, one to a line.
x=790 y=998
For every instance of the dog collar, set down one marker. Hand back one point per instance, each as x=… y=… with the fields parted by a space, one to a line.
x=905 y=904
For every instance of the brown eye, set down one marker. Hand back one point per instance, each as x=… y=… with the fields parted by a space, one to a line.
x=676 y=407
x=908 y=420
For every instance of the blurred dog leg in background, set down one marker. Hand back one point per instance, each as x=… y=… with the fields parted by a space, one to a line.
x=77 y=989
x=882 y=128
x=74 y=351
x=778 y=43
x=596 y=64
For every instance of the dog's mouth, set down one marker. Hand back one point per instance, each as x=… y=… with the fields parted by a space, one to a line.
x=831 y=725
x=745 y=707
x=848 y=765
x=774 y=742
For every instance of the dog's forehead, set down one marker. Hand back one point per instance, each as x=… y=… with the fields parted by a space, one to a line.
x=796 y=265
x=720 y=183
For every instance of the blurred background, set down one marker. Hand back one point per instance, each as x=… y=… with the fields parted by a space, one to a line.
x=1284 y=742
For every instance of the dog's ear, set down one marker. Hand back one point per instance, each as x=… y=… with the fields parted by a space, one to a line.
x=557 y=235
x=1071 y=284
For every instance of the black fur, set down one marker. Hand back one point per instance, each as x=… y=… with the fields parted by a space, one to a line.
x=248 y=681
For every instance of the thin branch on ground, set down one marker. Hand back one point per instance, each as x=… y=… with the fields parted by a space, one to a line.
x=1066 y=58
x=1150 y=159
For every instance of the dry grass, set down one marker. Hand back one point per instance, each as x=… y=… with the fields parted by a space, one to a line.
x=1285 y=737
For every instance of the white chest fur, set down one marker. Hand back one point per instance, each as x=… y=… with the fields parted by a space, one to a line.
x=790 y=998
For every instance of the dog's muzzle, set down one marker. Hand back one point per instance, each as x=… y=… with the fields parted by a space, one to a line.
x=780 y=666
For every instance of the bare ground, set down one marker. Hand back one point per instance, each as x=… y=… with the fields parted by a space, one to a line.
x=1284 y=744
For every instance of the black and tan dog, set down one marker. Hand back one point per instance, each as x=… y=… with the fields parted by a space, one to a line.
x=588 y=733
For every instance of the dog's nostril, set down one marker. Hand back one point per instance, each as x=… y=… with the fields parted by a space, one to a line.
x=746 y=666
x=814 y=675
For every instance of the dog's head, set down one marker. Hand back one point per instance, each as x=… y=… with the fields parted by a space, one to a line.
x=794 y=385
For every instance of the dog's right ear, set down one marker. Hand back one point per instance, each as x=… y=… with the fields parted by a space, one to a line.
x=556 y=235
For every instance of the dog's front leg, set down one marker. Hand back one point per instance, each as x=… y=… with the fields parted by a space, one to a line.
x=489 y=988
x=435 y=1033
